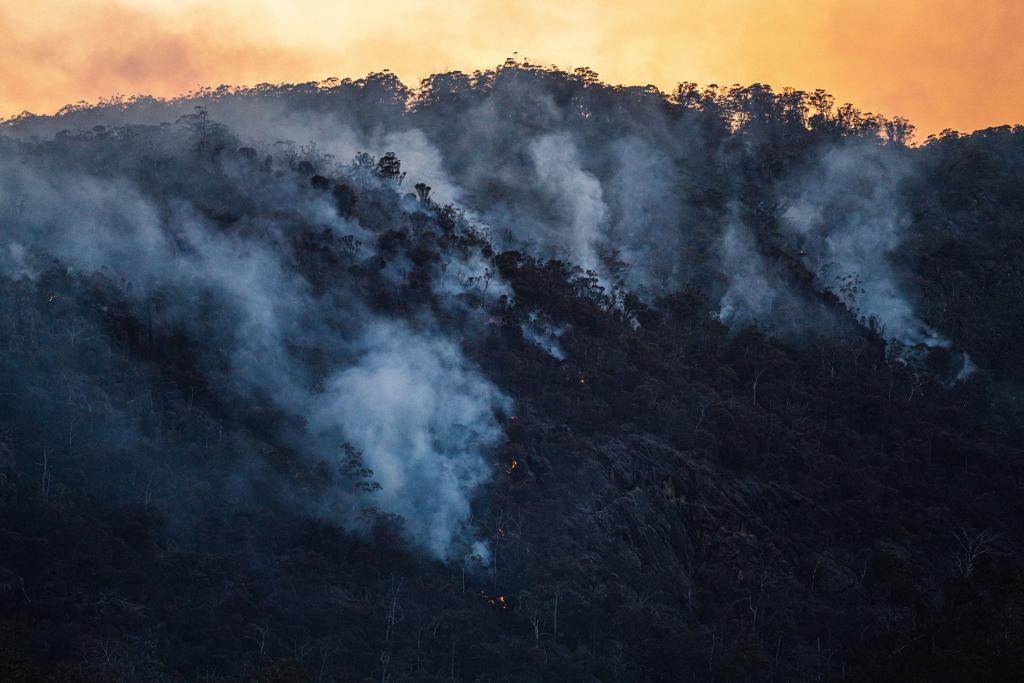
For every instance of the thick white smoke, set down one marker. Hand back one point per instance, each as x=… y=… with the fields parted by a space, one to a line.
x=422 y=417
x=847 y=216
x=751 y=296
x=578 y=196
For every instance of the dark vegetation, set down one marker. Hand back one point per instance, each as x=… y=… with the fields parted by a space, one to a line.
x=676 y=499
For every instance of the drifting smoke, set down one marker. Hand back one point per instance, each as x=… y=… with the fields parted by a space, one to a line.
x=647 y=192
x=750 y=297
x=544 y=335
x=647 y=196
x=576 y=200
x=599 y=173
x=402 y=393
x=12 y=262
x=847 y=217
x=422 y=416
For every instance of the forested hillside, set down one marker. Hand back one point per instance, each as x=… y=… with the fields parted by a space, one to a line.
x=514 y=376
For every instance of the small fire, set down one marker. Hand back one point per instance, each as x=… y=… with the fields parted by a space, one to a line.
x=497 y=601
x=52 y=298
x=583 y=380
x=512 y=466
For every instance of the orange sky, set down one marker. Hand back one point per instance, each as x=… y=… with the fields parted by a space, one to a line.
x=942 y=63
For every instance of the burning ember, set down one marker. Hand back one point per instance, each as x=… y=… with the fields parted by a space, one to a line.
x=498 y=600
x=583 y=380
x=512 y=466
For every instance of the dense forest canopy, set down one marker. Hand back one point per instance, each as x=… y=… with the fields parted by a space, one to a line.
x=516 y=375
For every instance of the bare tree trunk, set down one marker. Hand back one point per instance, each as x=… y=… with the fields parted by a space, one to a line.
x=392 y=615
x=554 y=627
x=45 y=486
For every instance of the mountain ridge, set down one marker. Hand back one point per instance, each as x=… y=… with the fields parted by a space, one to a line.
x=625 y=389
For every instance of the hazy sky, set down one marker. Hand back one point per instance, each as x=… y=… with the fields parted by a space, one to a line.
x=942 y=63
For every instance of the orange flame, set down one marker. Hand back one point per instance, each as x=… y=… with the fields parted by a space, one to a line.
x=497 y=601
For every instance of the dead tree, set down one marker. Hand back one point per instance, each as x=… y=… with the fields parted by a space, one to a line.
x=970 y=547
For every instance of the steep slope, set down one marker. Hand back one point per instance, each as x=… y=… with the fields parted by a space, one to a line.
x=581 y=383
